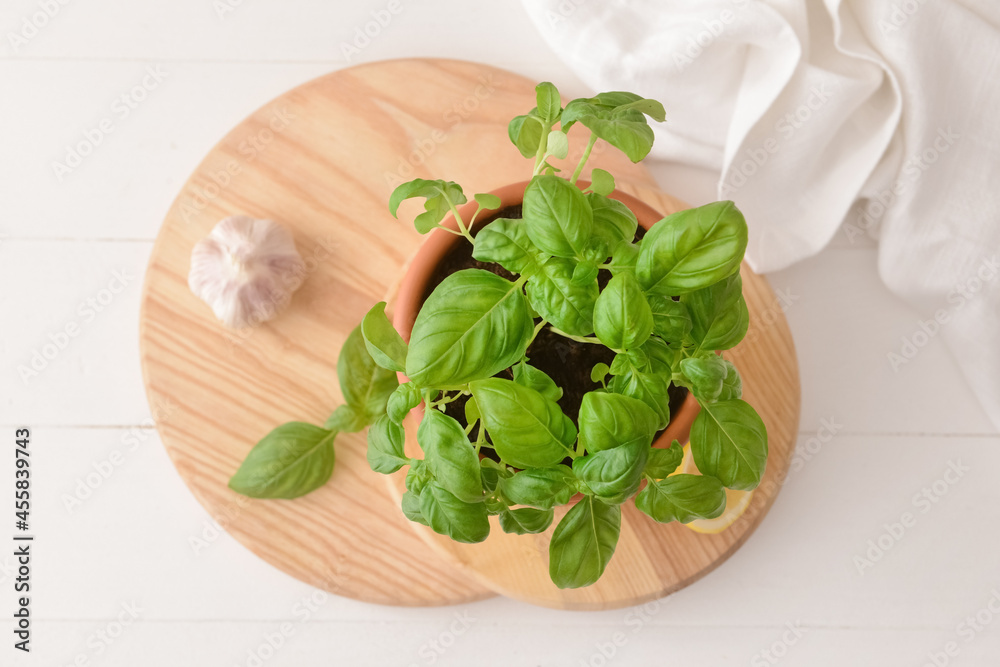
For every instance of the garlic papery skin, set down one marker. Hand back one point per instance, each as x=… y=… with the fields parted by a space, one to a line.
x=246 y=270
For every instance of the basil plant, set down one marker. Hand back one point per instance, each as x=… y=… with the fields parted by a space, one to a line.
x=670 y=301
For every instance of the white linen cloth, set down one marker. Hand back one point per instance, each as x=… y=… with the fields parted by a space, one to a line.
x=870 y=116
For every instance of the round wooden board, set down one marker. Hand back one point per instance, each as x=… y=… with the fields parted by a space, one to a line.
x=321 y=159
x=653 y=560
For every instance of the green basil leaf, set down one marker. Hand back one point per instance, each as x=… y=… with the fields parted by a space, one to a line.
x=608 y=421
x=611 y=103
x=529 y=376
x=346 y=419
x=585 y=273
x=597 y=251
x=583 y=543
x=526 y=520
x=473 y=325
x=447 y=515
x=708 y=303
x=418 y=476
x=705 y=375
x=366 y=385
x=623 y=258
x=732 y=386
x=491 y=479
x=383 y=342
x=719 y=315
x=660 y=357
x=505 y=241
x=557 y=215
x=527 y=429
x=472 y=413
x=525 y=133
x=682 y=498
x=549 y=105
x=650 y=388
x=405 y=398
x=622 y=317
x=651 y=108
x=619 y=118
x=611 y=100
x=543 y=488
x=599 y=372
x=450 y=456
x=557 y=145
x=411 y=507
x=385 y=446
x=495 y=504
x=504 y=471
x=729 y=441
x=487 y=201
x=692 y=249
x=628 y=132
x=440 y=196
x=630 y=360
x=619 y=101
x=578 y=109
x=567 y=305
x=290 y=461
x=729 y=330
x=662 y=462
x=613 y=475
x=671 y=320
x=602 y=183
x=613 y=221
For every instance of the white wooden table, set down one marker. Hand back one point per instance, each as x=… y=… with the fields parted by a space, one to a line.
x=128 y=569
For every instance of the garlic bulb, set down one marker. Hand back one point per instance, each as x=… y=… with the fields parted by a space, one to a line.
x=246 y=270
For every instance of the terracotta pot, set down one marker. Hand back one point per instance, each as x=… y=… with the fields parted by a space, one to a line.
x=439 y=242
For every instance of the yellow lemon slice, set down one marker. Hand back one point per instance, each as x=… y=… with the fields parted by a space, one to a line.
x=736 y=501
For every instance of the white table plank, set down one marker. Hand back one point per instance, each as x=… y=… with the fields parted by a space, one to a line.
x=516 y=644
x=272 y=31
x=72 y=356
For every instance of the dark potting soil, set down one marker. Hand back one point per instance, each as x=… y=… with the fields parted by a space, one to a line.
x=567 y=362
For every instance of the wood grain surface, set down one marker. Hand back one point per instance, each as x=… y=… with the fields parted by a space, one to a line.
x=653 y=560
x=322 y=160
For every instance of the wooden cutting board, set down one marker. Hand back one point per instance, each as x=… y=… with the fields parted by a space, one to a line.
x=322 y=160
x=653 y=560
